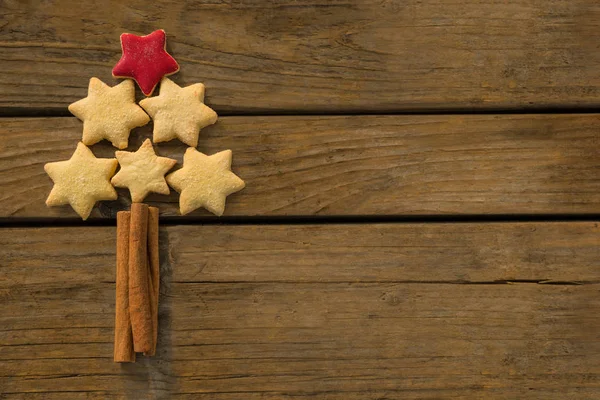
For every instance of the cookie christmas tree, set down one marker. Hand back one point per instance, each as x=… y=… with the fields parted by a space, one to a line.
x=110 y=113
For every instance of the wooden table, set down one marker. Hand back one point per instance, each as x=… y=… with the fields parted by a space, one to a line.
x=420 y=219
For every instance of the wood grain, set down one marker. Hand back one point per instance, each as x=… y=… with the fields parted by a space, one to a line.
x=323 y=331
x=362 y=165
x=376 y=253
x=315 y=56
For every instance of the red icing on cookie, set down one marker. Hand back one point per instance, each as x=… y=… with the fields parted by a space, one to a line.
x=145 y=59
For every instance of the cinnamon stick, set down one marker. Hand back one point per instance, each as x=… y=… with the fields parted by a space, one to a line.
x=139 y=290
x=154 y=269
x=151 y=298
x=123 y=338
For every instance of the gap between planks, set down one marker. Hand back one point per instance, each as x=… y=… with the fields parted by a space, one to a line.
x=9 y=112
x=308 y=220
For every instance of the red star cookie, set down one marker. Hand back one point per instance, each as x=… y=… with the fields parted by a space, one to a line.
x=145 y=59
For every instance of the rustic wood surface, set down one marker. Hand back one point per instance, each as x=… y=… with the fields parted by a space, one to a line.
x=360 y=165
x=315 y=56
x=278 y=307
x=376 y=314
x=559 y=252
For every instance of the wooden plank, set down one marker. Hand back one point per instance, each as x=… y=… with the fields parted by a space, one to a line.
x=362 y=165
x=343 y=338
x=377 y=253
x=316 y=56
x=300 y=340
x=307 y=340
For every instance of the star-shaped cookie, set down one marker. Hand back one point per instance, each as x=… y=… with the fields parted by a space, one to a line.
x=81 y=181
x=179 y=112
x=142 y=172
x=145 y=59
x=205 y=181
x=109 y=113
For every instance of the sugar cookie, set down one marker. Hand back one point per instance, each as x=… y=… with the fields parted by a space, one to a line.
x=109 y=113
x=145 y=59
x=204 y=181
x=179 y=112
x=81 y=181
x=142 y=172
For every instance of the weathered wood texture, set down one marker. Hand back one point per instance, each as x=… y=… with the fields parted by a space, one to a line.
x=315 y=55
x=362 y=165
x=328 y=312
x=375 y=253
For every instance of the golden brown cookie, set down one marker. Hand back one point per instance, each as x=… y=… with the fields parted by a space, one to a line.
x=204 y=181
x=109 y=113
x=142 y=172
x=81 y=181
x=179 y=112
